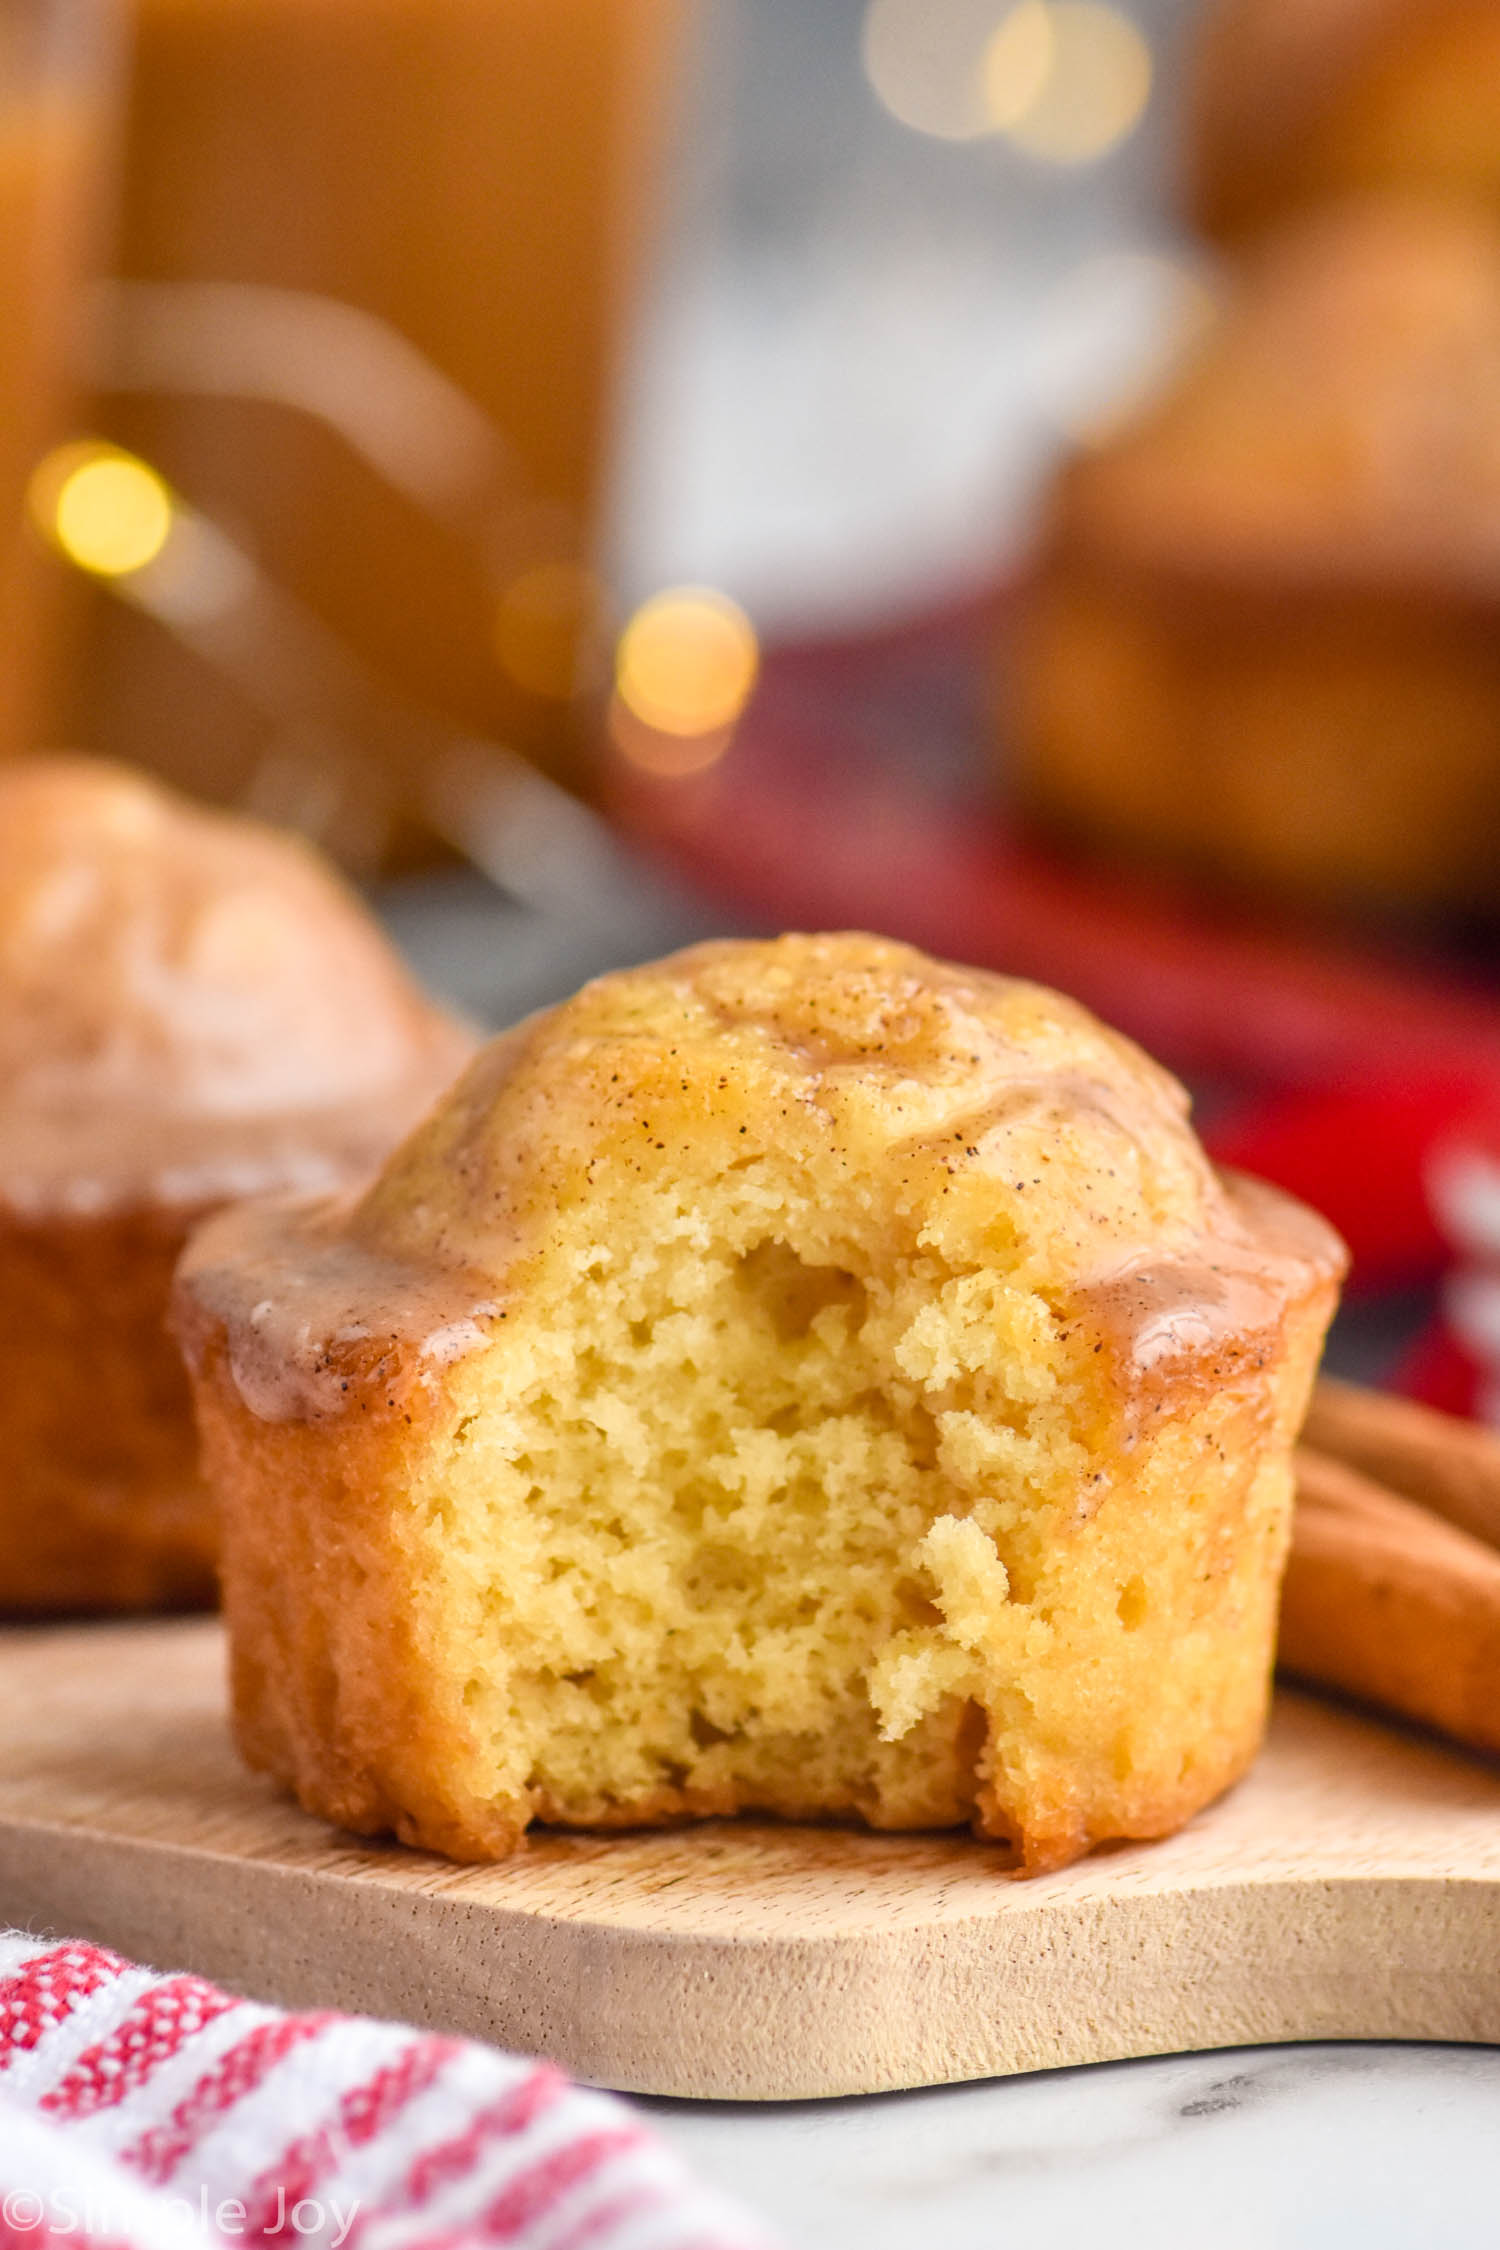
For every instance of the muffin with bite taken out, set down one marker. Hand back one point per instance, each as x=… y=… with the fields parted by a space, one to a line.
x=799 y=1376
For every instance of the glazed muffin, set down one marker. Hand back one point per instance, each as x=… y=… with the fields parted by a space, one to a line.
x=1294 y=102
x=797 y=1376
x=1263 y=633
x=191 y=1008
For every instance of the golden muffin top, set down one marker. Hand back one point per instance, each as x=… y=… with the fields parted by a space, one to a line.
x=190 y=1003
x=841 y=1090
x=1343 y=417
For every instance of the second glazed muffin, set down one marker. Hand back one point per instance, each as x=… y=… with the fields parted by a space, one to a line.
x=802 y=1376
x=1262 y=636
x=191 y=1008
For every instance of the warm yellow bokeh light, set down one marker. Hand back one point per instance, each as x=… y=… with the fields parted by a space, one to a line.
x=109 y=513
x=1017 y=64
x=666 y=757
x=687 y=661
x=1093 y=91
x=543 y=619
x=923 y=61
x=1067 y=80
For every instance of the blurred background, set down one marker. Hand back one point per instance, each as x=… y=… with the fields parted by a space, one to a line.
x=895 y=274
x=1023 y=475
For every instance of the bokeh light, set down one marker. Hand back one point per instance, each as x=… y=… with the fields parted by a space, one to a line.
x=924 y=61
x=1065 y=80
x=1092 y=92
x=666 y=757
x=1017 y=64
x=687 y=661
x=110 y=513
x=544 y=628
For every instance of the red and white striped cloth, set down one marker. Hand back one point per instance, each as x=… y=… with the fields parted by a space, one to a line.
x=148 y=2112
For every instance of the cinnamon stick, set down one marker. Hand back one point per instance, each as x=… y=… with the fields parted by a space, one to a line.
x=1450 y=1466
x=1386 y=1601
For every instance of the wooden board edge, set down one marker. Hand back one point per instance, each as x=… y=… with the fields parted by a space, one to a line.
x=1227 y=1963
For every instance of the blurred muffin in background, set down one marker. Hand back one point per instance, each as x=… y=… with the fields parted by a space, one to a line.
x=1292 y=102
x=1262 y=638
x=192 y=1008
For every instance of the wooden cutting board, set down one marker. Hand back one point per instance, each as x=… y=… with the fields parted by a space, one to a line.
x=1349 y=1889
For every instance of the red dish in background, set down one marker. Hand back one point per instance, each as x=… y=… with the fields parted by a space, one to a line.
x=855 y=793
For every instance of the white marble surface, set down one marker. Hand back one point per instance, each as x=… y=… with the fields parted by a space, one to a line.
x=1282 y=2148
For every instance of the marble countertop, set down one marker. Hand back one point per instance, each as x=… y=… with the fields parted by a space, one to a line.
x=1359 y=2147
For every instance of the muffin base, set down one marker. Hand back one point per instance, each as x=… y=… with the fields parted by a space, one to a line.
x=102 y=1505
x=1337 y=742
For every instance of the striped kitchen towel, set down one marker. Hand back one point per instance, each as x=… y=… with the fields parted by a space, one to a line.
x=148 y=2112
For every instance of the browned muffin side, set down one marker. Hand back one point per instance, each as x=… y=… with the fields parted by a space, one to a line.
x=1262 y=636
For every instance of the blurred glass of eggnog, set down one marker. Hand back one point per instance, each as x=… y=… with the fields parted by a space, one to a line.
x=375 y=260
x=56 y=73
